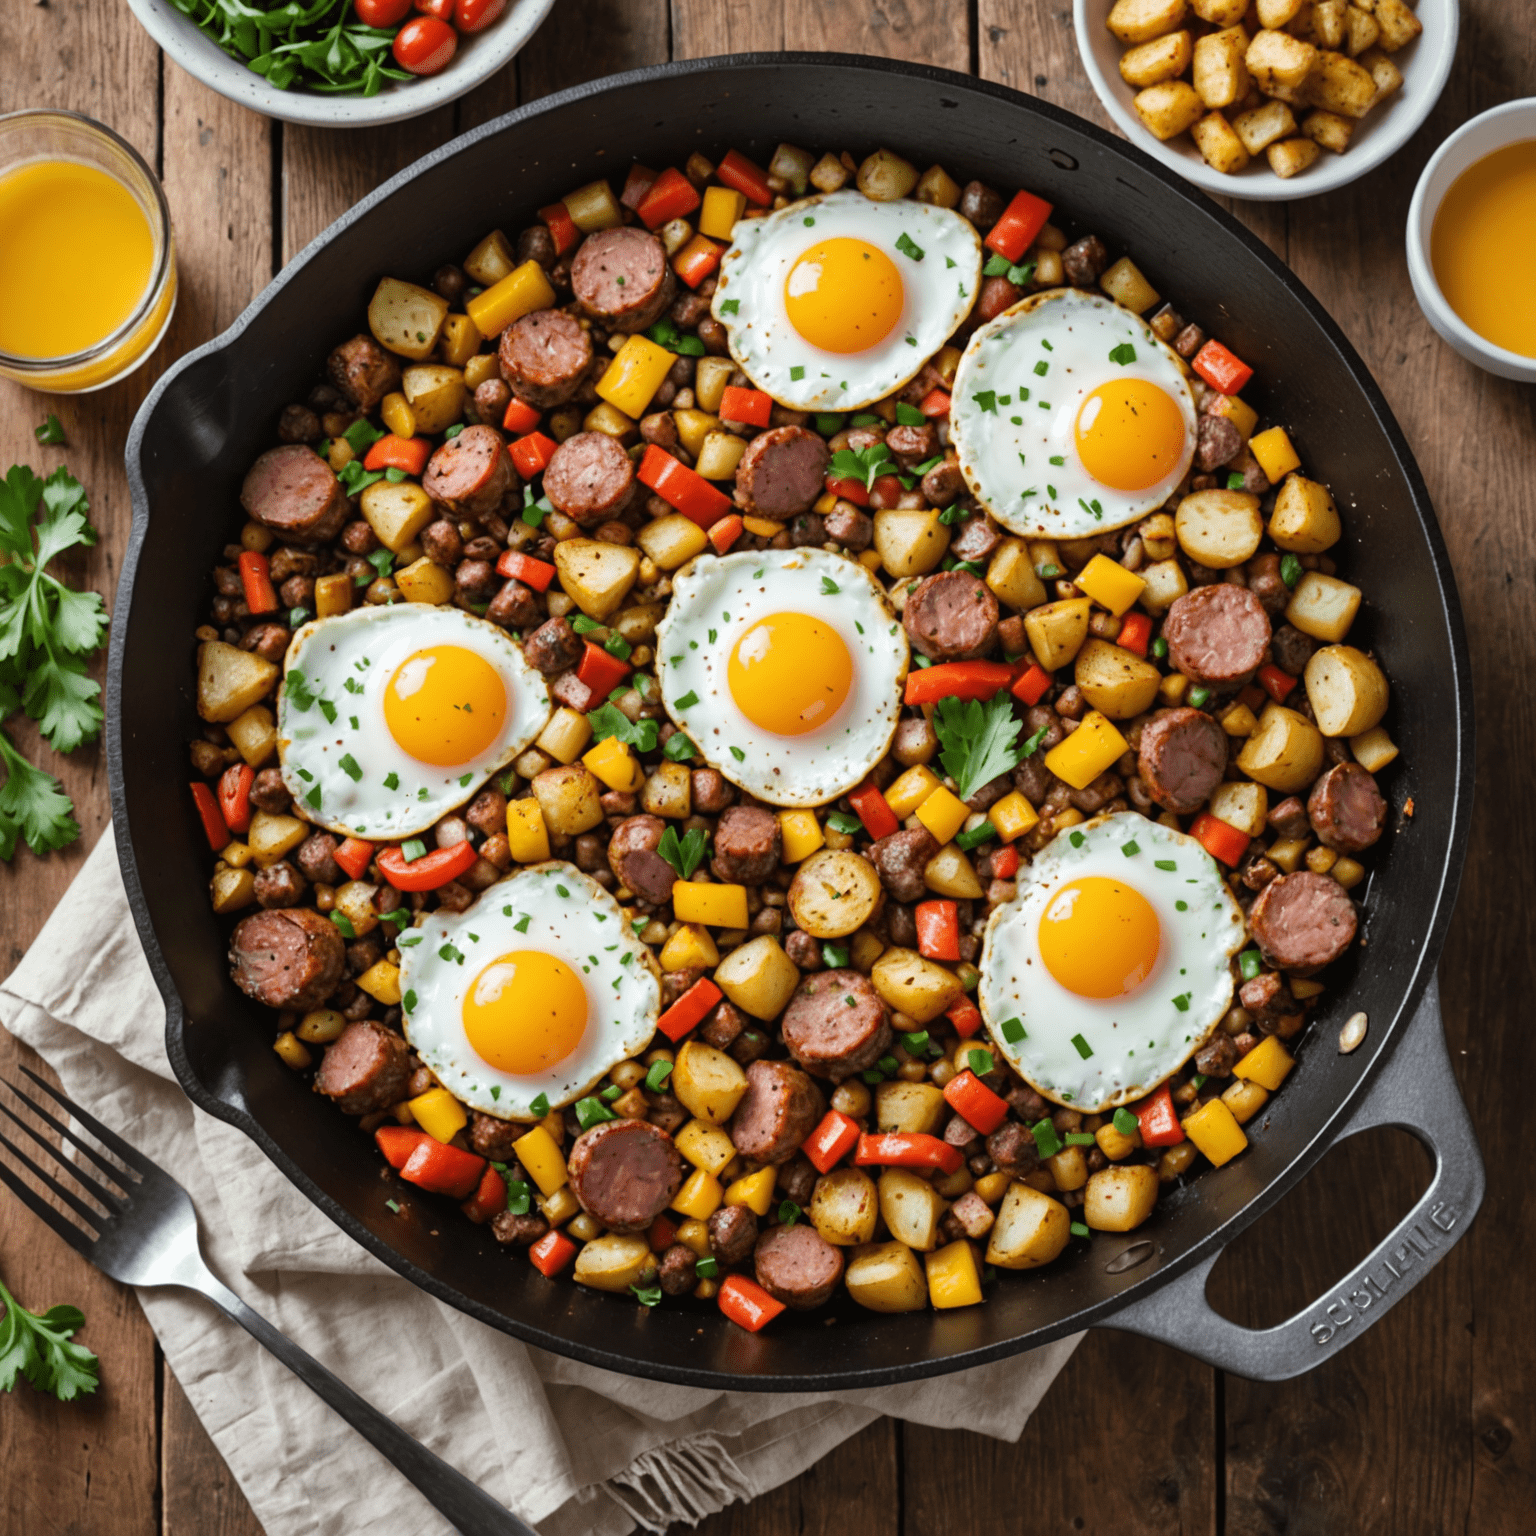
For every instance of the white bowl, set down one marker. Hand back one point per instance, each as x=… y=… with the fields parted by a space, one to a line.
x=1425 y=64
x=1509 y=124
x=477 y=59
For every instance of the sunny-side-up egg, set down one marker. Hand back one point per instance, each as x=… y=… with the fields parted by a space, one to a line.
x=786 y=668
x=835 y=301
x=1111 y=966
x=539 y=988
x=391 y=716
x=1070 y=417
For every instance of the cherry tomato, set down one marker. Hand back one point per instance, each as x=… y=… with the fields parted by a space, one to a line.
x=442 y=9
x=425 y=45
x=476 y=15
x=382 y=13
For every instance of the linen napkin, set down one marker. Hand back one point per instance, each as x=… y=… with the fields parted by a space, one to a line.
x=570 y=1447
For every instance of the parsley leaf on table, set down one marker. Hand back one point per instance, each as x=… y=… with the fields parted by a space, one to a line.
x=976 y=740
x=38 y=1347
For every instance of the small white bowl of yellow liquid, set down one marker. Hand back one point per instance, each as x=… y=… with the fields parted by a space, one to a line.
x=87 y=260
x=1472 y=240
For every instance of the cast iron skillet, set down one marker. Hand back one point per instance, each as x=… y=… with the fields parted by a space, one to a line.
x=211 y=414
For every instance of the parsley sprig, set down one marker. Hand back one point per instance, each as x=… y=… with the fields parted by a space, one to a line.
x=976 y=740
x=38 y=1346
x=609 y=720
x=684 y=853
x=863 y=464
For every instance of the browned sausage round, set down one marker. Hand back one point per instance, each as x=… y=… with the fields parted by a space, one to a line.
x=292 y=491
x=589 y=478
x=625 y=1173
x=363 y=371
x=732 y=1232
x=269 y=793
x=621 y=277
x=634 y=861
x=1346 y=809
x=1182 y=758
x=677 y=1274
x=783 y=471
x=287 y=959
x=1217 y=634
x=1084 y=260
x=1301 y=922
x=780 y=1108
x=470 y=473
x=554 y=647
x=836 y=1025
x=366 y=1068
x=913 y=445
x=976 y=537
x=943 y=483
x=544 y=357
x=748 y=844
x=901 y=859
x=798 y=1266
x=951 y=616
x=516 y=606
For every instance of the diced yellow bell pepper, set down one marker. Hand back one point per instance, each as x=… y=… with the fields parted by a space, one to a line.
x=754 y=1190
x=705 y=1146
x=722 y=207
x=1013 y=816
x=801 y=835
x=943 y=814
x=439 y=1114
x=763 y=527
x=381 y=981
x=460 y=340
x=953 y=1279
x=694 y=1234
x=910 y=790
x=540 y=1154
x=527 y=836
x=716 y=906
x=1239 y=721
x=1276 y=457
x=425 y=581
x=1173 y=688
x=1092 y=748
x=523 y=290
x=699 y=1197
x=333 y=595
x=398 y=415
x=691 y=947
x=1110 y=585
x=1266 y=1064
x=1214 y=1130
x=635 y=375
x=1238 y=412
x=618 y=767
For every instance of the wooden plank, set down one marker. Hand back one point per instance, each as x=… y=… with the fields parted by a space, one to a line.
x=201 y=1496
x=704 y=27
x=580 y=43
x=927 y=31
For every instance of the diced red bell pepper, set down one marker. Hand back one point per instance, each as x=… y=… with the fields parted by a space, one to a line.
x=935 y=403
x=640 y=180
x=689 y=1010
x=683 y=488
x=964 y=1017
x=397 y=1142
x=430 y=872
x=535 y=573
x=1220 y=839
x=753 y=406
x=552 y=1253
x=878 y=818
x=1135 y=633
x=444 y=1169
x=1221 y=369
x=670 y=196
x=354 y=856
x=697 y=259
x=957 y=680
x=663 y=1233
x=938 y=929
x=1005 y=862
x=1275 y=683
x=562 y=227
x=600 y=672
x=531 y=454
x=739 y=173
x=885 y=490
x=906 y=1149
x=747 y=1304
x=968 y=1096
x=235 y=796
x=831 y=1141
x=1159 y=1119
x=407 y=454
x=1032 y=684
x=849 y=490
x=214 y=825
x=1253 y=696
x=489 y=1199
x=255 y=577
x=725 y=533
x=1022 y=220
x=520 y=417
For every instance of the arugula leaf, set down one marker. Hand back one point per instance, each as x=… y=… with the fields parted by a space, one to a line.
x=683 y=855
x=609 y=720
x=38 y=1346
x=976 y=740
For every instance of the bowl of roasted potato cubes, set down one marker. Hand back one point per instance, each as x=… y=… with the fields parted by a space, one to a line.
x=1268 y=99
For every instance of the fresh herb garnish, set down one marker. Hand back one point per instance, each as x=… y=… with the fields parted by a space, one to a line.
x=592 y=1111
x=656 y=1078
x=1124 y=354
x=51 y=433
x=540 y=1106
x=908 y=247
x=683 y=854
x=38 y=1345
x=789 y=1212
x=861 y=464
x=609 y=720
x=1126 y=1123
x=976 y=740
x=678 y=748
x=844 y=822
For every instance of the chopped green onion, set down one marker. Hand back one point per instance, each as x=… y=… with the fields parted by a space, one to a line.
x=1250 y=963
x=1079 y=1139
x=834 y=956
x=1126 y=1123
x=979 y=1061
x=540 y=1106
x=590 y=1112
x=1047 y=1142
x=413 y=850
x=656 y=1078
x=1077 y=1229
x=789 y=1212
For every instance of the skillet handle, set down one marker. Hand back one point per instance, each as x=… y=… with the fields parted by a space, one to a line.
x=1417 y=1092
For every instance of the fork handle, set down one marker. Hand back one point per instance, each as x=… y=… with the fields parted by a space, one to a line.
x=470 y=1510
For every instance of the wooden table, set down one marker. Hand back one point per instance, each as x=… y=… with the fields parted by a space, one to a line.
x=1426 y=1424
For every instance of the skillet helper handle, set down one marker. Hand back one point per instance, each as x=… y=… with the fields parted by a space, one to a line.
x=1417 y=1092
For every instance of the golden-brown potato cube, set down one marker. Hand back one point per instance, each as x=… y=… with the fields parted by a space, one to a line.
x=1220 y=13
x=1139 y=21
x=569 y=798
x=271 y=836
x=910 y=540
x=912 y=985
x=709 y=1083
x=1285 y=754
x=613 y=1262
x=1373 y=749
x=1384 y=72
x=232 y=889
x=672 y=541
x=1220 y=75
x=887 y=1277
x=1278 y=13
x=1341 y=85
x=435 y=394
x=424 y=581
x=1221 y=148
x=406 y=318
x=1305 y=520
x=719 y=454
x=1260 y=128
x=1120 y=1198
x=1328 y=129
x=1169 y=109
x=1012 y=577
x=1127 y=285
x=230 y=681
x=1166 y=584
x=1219 y=529
x=844 y=1206
x=1057 y=631
x=254 y=733
x=1346 y=689
x=1361 y=30
x=596 y=574
x=1280 y=64
x=1323 y=606
x=909 y=1107
x=950 y=873
x=937 y=188
x=911 y=1208
x=638 y=624
x=565 y=735
x=668 y=792
x=759 y=977
x=885 y=177
x=396 y=513
x=1241 y=805
x=1031 y=1229
x=1328 y=22
x=1117 y=682
x=1398 y=24
x=1157 y=536
x=834 y=892
x=1290 y=157
x=1164 y=58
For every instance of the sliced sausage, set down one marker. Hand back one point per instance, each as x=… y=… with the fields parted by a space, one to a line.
x=976 y=537
x=1084 y=260
x=780 y=1108
x=732 y=1232
x=951 y=616
x=1182 y=758
x=292 y=491
x=625 y=1173
x=290 y=958
x=1217 y=635
x=621 y=277
x=783 y=471
x=1301 y=922
x=901 y=859
x=1346 y=809
x=554 y=647
x=798 y=1266
x=470 y=473
x=943 y=483
x=748 y=844
x=365 y=1069
x=363 y=371
x=913 y=445
x=634 y=861
x=836 y=1025
x=589 y=478
x=544 y=357
x=845 y=524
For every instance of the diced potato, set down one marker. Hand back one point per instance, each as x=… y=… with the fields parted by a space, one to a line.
x=1280 y=64
x=937 y=188
x=1069 y=1168
x=705 y=1146
x=950 y=873
x=1057 y=631
x=593 y=207
x=1012 y=578
x=668 y=792
x=887 y=1277
x=1219 y=74
x=381 y=981
x=1399 y=26
x=396 y=513
x=613 y=1262
x=1169 y=109
x=1220 y=529
x=1384 y=72
x=232 y=889
x=560 y=1207
x=1221 y=148
x=911 y=1208
x=672 y=541
x=910 y=540
x=235 y=853
x=1328 y=22
x=435 y=394
x=1114 y=1144
x=1328 y=129
x=1323 y=606
x=1125 y=283
x=1031 y=1229
x=291 y=1051
x=914 y=986
x=711 y=375
x=607 y=419
x=1241 y=805
x=482 y=366
x=405 y=318
x=1116 y=682
x=1346 y=689
x=1044 y=555
x=910 y=790
x=230 y=681
x=954 y=1280
x=333 y=595
x=885 y=177
x=1262 y=126
x=833 y=893
x=1290 y=157
x=719 y=454
x=1239 y=721
x=569 y=797
x=1173 y=688
x=1305 y=519
x=1165 y=585
x=1285 y=754
x=1139 y=21
x=424 y=581
x=1278 y=13
x=754 y=1190
x=863 y=950
x=1093 y=747
x=844 y=1206
x=691 y=946
x=638 y=624
x=1220 y=13
x=354 y=900
x=710 y=903
x=1150 y=63
x=1274 y=453
x=1119 y=1199
x=903 y=1106
x=1286 y=853
x=708 y=1083
x=596 y=574
x=1361 y=31
x=491 y=260
x=1373 y=749
x=396 y=412
x=254 y=733
x=566 y=735
x=800 y=833
x=1339 y=84
x=758 y=977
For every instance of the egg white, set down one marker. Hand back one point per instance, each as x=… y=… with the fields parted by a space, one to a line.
x=1138 y=1040
x=714 y=600
x=346 y=663
x=1006 y=447
x=749 y=297
x=564 y=913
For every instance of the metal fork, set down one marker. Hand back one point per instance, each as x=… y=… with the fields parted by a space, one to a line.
x=147 y=1235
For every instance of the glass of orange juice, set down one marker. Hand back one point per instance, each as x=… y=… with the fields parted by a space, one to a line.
x=87 y=258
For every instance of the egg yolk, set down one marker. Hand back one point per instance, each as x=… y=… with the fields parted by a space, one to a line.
x=1130 y=434
x=526 y=1012
x=844 y=295
x=790 y=673
x=1099 y=937
x=445 y=705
